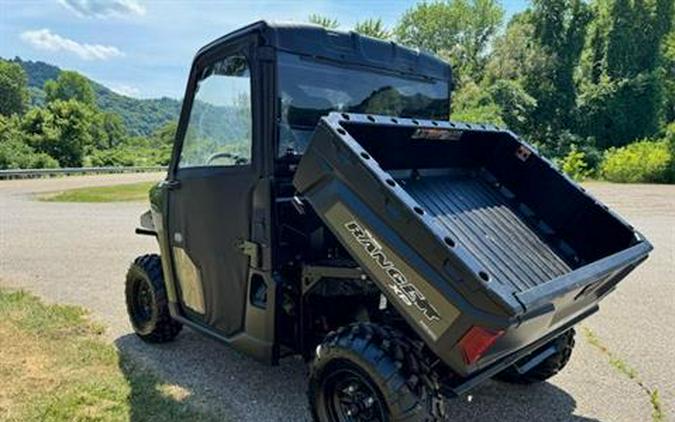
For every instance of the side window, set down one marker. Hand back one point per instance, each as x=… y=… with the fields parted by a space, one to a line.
x=219 y=128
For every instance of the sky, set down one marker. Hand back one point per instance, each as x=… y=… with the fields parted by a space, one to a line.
x=144 y=48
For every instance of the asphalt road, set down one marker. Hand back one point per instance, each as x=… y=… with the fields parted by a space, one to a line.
x=78 y=253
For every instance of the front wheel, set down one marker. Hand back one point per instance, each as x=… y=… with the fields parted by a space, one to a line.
x=368 y=372
x=548 y=367
x=147 y=302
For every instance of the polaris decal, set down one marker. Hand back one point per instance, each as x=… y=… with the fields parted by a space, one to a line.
x=399 y=284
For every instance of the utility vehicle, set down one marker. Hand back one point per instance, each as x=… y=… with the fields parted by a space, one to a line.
x=319 y=203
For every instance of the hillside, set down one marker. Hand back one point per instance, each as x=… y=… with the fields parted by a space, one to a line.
x=141 y=116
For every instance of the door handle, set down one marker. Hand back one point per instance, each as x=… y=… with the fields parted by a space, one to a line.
x=170 y=184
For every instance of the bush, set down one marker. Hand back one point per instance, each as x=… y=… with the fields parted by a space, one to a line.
x=574 y=164
x=641 y=162
x=136 y=151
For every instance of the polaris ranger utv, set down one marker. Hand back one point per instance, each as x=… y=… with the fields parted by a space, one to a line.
x=319 y=203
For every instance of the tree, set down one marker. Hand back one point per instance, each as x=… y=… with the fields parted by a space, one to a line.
x=70 y=86
x=62 y=130
x=13 y=88
x=668 y=64
x=622 y=82
x=373 y=28
x=538 y=55
x=518 y=72
x=113 y=131
x=515 y=104
x=618 y=112
x=166 y=134
x=560 y=28
x=459 y=30
x=324 y=21
x=14 y=152
x=516 y=53
x=634 y=35
x=472 y=103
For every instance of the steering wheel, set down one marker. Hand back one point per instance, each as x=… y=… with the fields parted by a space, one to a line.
x=234 y=157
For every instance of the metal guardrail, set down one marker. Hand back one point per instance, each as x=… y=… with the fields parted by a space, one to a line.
x=70 y=171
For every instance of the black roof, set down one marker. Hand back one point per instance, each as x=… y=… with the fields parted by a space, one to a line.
x=348 y=47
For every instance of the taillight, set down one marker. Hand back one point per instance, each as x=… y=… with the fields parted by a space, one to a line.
x=476 y=341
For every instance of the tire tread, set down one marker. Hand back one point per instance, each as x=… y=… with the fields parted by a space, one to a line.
x=393 y=358
x=166 y=328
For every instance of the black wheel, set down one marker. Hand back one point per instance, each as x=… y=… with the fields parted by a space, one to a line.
x=368 y=372
x=548 y=367
x=147 y=303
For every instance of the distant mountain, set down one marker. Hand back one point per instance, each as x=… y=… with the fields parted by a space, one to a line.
x=141 y=116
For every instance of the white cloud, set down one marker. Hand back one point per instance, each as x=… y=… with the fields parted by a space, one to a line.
x=104 y=8
x=44 y=39
x=123 y=89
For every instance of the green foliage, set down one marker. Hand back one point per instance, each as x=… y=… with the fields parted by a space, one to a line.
x=622 y=80
x=166 y=134
x=114 y=132
x=137 y=151
x=532 y=67
x=140 y=116
x=474 y=104
x=515 y=104
x=37 y=97
x=559 y=28
x=70 y=86
x=38 y=72
x=574 y=78
x=634 y=35
x=459 y=30
x=13 y=88
x=324 y=21
x=668 y=61
x=373 y=28
x=62 y=130
x=574 y=164
x=616 y=112
x=15 y=153
x=669 y=139
x=516 y=55
x=639 y=162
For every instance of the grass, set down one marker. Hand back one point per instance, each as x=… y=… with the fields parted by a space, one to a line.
x=114 y=193
x=658 y=414
x=55 y=366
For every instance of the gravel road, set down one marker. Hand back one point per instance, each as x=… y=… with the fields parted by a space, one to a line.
x=78 y=253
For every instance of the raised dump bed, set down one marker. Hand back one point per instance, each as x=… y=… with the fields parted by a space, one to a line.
x=515 y=247
x=473 y=217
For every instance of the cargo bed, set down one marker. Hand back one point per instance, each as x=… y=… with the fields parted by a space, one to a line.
x=466 y=224
x=507 y=242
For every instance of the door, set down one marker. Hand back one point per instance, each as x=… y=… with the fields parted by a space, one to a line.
x=210 y=199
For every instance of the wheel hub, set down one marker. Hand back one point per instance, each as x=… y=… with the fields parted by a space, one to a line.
x=143 y=301
x=353 y=399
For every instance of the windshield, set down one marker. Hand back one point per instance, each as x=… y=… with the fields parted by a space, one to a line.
x=310 y=89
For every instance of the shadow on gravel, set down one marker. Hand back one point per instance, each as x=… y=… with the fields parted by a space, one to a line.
x=234 y=387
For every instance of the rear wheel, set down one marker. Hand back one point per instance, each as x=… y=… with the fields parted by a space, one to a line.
x=147 y=302
x=564 y=344
x=368 y=372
